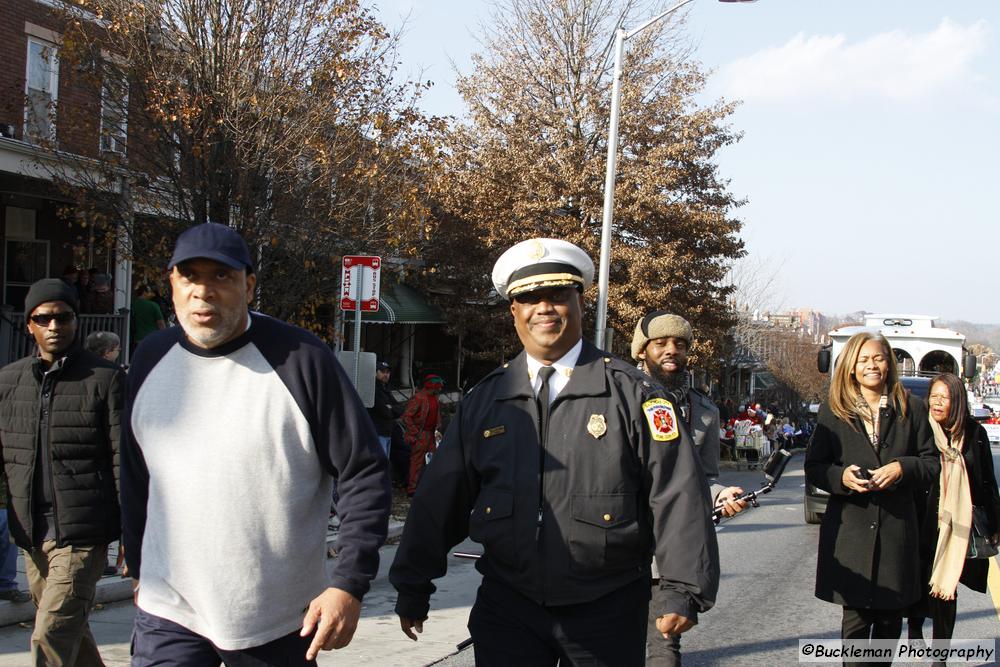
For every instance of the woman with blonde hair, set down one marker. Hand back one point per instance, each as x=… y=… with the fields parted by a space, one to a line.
x=871 y=450
x=966 y=481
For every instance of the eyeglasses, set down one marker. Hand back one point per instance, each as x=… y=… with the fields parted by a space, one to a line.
x=44 y=319
x=938 y=398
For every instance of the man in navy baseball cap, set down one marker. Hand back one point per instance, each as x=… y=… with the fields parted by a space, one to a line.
x=212 y=241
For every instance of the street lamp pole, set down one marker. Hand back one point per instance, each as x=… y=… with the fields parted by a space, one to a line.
x=621 y=35
x=609 y=178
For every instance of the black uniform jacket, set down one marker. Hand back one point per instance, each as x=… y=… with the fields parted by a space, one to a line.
x=868 y=543
x=572 y=521
x=983 y=486
x=83 y=408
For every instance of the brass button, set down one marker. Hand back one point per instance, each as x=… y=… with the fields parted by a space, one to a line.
x=489 y=509
x=607 y=517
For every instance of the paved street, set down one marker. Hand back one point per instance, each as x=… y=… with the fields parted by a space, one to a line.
x=765 y=603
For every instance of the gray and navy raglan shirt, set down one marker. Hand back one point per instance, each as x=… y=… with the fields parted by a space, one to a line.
x=229 y=457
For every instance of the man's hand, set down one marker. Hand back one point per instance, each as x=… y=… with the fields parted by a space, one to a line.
x=673 y=624
x=850 y=481
x=727 y=501
x=135 y=592
x=337 y=613
x=408 y=625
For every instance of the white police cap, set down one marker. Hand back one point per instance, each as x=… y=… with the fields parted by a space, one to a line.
x=538 y=263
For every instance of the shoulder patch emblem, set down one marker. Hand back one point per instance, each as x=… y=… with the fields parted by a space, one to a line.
x=597 y=426
x=661 y=418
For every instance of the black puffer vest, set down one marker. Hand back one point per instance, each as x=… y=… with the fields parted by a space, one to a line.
x=83 y=408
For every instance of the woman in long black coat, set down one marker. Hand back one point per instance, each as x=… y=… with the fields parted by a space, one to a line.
x=871 y=450
x=949 y=407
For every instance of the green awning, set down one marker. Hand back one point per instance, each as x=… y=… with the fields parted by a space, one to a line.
x=400 y=304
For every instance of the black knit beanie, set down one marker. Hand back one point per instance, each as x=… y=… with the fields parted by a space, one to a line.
x=50 y=289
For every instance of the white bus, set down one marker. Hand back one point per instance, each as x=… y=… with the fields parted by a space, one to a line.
x=921 y=349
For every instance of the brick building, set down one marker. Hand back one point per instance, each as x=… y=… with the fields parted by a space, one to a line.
x=52 y=127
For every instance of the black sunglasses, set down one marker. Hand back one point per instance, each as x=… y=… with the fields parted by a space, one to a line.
x=44 y=319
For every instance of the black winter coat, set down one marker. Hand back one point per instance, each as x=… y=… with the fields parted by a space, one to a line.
x=868 y=542
x=385 y=411
x=84 y=431
x=983 y=483
x=575 y=516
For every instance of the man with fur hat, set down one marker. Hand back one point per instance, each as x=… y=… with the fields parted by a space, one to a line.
x=661 y=344
x=571 y=469
x=59 y=429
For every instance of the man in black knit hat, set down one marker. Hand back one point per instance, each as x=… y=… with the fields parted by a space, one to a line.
x=59 y=430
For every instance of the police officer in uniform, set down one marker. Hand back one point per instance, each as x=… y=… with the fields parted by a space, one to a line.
x=571 y=469
x=661 y=344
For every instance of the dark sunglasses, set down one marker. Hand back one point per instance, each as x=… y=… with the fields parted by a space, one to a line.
x=44 y=319
x=558 y=295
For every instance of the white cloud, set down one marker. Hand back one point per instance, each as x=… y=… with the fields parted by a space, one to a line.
x=895 y=65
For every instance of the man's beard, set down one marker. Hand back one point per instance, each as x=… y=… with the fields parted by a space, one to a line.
x=670 y=381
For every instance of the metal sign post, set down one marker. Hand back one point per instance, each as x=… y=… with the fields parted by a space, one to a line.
x=358 y=272
x=359 y=293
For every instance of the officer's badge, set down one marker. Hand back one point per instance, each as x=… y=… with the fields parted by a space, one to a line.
x=597 y=426
x=661 y=418
x=496 y=430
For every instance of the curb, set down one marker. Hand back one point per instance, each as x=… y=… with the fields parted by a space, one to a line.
x=115 y=589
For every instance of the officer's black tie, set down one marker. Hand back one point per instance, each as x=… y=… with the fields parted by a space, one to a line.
x=545 y=372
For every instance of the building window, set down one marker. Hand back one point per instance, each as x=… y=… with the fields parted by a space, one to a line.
x=114 y=110
x=42 y=86
x=26 y=259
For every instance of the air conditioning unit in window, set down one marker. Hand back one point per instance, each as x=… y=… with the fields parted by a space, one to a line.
x=7 y=131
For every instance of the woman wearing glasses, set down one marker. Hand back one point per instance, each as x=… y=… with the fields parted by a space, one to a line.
x=871 y=449
x=966 y=480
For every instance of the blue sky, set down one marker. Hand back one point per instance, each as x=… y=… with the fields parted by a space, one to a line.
x=871 y=140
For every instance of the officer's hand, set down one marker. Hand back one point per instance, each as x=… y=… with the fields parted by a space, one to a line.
x=673 y=624
x=727 y=500
x=336 y=613
x=409 y=625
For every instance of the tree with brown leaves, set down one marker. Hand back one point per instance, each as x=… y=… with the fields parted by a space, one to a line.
x=530 y=161
x=282 y=118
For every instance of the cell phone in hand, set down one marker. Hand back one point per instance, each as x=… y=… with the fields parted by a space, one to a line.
x=863 y=474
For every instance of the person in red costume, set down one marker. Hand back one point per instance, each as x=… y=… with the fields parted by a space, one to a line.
x=421 y=420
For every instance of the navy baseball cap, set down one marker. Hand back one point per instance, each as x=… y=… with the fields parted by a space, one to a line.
x=383 y=366
x=212 y=241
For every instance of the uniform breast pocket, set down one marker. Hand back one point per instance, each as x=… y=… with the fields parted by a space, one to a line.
x=605 y=531
x=492 y=525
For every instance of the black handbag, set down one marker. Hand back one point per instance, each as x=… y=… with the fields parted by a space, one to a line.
x=979 y=543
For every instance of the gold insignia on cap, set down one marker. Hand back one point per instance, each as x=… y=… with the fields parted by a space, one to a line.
x=597 y=426
x=537 y=250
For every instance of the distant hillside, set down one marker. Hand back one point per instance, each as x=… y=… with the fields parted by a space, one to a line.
x=985 y=334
